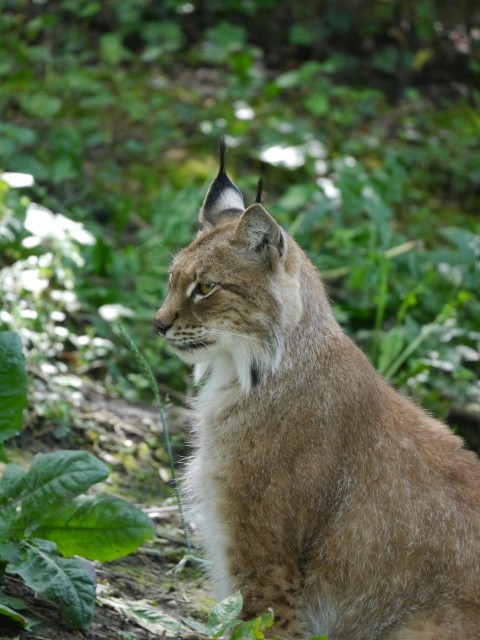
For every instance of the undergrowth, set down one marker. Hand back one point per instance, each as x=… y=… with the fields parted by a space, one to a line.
x=46 y=518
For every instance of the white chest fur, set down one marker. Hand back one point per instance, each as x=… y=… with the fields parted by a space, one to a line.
x=202 y=490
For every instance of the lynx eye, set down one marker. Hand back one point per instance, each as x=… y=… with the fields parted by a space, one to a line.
x=203 y=288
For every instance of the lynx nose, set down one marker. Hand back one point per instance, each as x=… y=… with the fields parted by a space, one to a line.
x=160 y=327
x=162 y=322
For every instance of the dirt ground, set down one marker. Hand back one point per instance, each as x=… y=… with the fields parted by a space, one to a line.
x=138 y=598
x=147 y=594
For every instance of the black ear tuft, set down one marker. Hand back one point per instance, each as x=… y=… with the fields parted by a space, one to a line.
x=223 y=154
x=224 y=200
x=258 y=198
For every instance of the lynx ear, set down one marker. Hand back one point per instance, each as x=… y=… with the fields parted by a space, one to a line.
x=224 y=200
x=259 y=231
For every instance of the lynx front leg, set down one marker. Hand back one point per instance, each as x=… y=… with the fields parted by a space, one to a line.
x=277 y=587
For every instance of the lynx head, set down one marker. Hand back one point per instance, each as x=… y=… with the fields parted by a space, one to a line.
x=234 y=291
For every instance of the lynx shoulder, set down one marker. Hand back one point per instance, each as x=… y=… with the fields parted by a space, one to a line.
x=318 y=490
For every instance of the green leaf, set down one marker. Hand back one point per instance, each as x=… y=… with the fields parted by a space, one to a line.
x=11 y=483
x=253 y=629
x=421 y=58
x=66 y=582
x=164 y=37
x=465 y=241
x=13 y=384
x=6 y=611
x=148 y=617
x=299 y=76
x=301 y=34
x=63 y=168
x=318 y=103
x=10 y=552
x=11 y=486
x=222 y=618
x=41 y=104
x=56 y=477
x=225 y=611
x=223 y=39
x=112 y=50
x=390 y=348
x=99 y=527
x=10 y=607
x=198 y=627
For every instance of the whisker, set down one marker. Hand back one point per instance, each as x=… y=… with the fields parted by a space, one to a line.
x=233 y=334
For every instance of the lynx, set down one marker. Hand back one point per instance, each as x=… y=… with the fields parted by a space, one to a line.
x=318 y=490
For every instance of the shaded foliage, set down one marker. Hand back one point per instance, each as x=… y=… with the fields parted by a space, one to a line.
x=44 y=514
x=364 y=122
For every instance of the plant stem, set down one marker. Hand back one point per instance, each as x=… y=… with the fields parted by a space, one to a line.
x=426 y=330
x=413 y=346
x=381 y=304
x=146 y=369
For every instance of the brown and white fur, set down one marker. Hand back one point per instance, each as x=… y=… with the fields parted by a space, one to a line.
x=319 y=491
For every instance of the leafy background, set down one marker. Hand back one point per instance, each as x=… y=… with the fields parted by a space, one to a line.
x=365 y=124
x=364 y=120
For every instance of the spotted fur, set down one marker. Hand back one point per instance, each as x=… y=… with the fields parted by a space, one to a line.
x=318 y=490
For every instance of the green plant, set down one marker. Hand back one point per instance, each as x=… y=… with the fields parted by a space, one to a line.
x=224 y=619
x=46 y=519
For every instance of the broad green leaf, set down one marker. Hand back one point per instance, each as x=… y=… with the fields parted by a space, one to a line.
x=56 y=477
x=226 y=610
x=10 y=552
x=11 y=525
x=98 y=527
x=12 y=483
x=145 y=615
x=13 y=384
x=66 y=582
